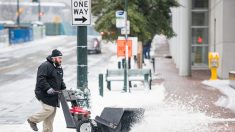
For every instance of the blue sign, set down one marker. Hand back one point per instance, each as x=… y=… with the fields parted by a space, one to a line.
x=120 y=14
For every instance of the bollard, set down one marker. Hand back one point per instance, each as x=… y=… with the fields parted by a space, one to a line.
x=109 y=85
x=146 y=76
x=153 y=61
x=123 y=63
x=101 y=89
x=129 y=63
x=119 y=65
x=129 y=67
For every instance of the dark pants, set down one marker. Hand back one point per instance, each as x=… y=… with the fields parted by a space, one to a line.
x=146 y=52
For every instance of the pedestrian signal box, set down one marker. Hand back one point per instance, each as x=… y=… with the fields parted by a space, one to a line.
x=213 y=64
x=213 y=60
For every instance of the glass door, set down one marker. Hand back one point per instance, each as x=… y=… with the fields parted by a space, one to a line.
x=200 y=33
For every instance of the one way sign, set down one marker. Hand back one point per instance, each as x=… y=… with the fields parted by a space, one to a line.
x=81 y=12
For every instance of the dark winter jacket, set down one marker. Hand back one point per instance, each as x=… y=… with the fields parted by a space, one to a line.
x=148 y=44
x=49 y=76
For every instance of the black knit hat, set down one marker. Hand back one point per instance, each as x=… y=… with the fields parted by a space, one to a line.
x=55 y=53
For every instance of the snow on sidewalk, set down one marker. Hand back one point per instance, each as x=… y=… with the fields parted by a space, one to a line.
x=227 y=101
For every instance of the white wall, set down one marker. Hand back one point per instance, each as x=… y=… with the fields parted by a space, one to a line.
x=224 y=13
x=174 y=43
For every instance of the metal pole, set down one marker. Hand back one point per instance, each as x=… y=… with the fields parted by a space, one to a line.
x=101 y=89
x=153 y=61
x=82 y=82
x=39 y=10
x=18 y=12
x=214 y=34
x=119 y=65
x=126 y=87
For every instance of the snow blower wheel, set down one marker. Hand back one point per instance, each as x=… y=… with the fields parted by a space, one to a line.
x=84 y=126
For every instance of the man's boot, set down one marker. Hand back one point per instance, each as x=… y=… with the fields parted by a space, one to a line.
x=33 y=125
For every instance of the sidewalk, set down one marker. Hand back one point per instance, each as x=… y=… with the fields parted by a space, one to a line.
x=191 y=92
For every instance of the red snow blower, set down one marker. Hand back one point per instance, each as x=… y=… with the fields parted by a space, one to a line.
x=111 y=119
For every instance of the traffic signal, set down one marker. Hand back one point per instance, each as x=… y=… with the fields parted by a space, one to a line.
x=199 y=40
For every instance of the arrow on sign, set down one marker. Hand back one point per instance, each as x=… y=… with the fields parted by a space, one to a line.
x=83 y=19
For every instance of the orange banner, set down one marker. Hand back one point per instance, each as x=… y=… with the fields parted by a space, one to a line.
x=121 y=48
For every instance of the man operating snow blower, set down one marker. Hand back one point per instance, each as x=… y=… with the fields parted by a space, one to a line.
x=49 y=82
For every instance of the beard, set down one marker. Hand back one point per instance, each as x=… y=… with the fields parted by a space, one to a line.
x=57 y=63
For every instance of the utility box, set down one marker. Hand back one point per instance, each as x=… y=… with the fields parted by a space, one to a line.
x=213 y=60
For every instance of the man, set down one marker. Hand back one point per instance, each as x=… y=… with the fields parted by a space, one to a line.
x=49 y=83
x=147 y=47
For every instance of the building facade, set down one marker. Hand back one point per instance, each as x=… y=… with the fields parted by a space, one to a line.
x=203 y=26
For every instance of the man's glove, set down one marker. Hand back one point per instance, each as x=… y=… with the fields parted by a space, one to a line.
x=51 y=91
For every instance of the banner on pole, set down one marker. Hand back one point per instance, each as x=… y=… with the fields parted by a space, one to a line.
x=121 y=48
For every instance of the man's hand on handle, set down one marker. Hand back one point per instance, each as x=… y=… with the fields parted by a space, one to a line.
x=52 y=91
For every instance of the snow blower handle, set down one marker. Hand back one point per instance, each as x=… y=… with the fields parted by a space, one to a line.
x=58 y=92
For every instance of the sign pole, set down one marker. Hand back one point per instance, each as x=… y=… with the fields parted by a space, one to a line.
x=126 y=86
x=82 y=68
x=81 y=17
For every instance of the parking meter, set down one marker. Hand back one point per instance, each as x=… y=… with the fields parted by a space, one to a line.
x=213 y=64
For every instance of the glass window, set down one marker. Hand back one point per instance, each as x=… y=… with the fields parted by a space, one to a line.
x=200 y=18
x=200 y=4
x=199 y=36
x=199 y=55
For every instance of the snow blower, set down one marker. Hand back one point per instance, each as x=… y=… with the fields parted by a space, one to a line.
x=111 y=119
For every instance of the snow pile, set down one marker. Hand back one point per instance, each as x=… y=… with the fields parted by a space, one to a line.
x=227 y=101
x=172 y=118
x=138 y=98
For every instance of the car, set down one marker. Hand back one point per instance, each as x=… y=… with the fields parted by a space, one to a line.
x=93 y=41
x=93 y=45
